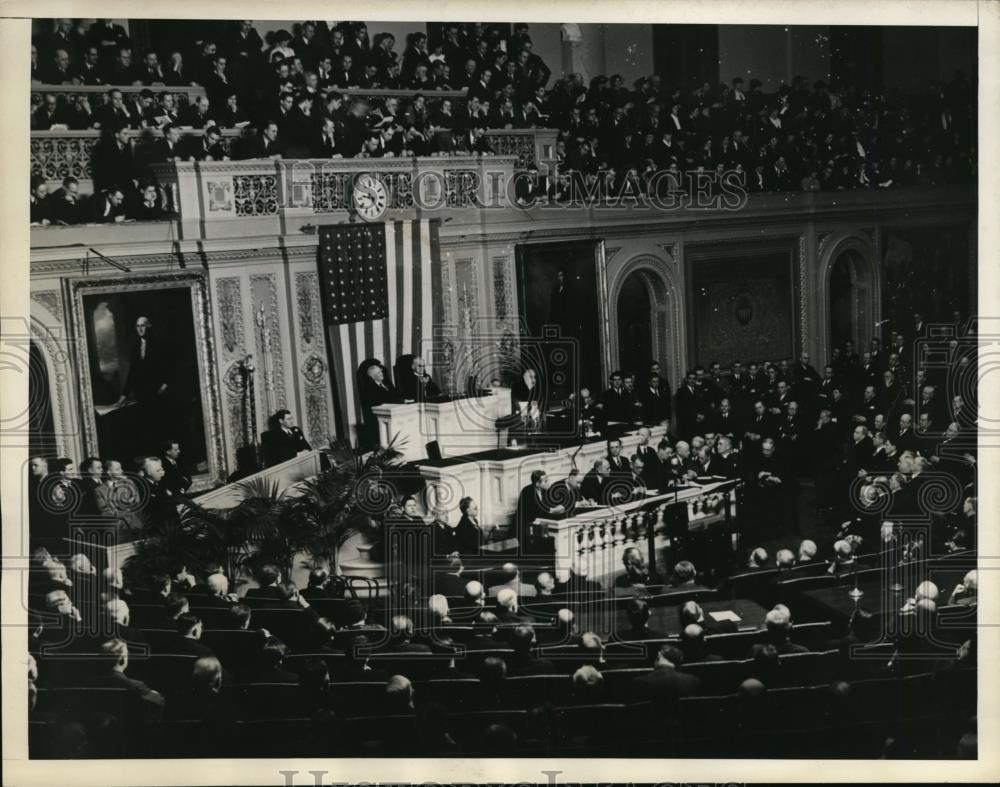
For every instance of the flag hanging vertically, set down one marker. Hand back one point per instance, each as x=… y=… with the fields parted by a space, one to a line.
x=381 y=285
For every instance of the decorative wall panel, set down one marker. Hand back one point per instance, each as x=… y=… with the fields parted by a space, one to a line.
x=268 y=357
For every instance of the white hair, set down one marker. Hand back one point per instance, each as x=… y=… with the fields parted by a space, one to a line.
x=926 y=589
x=438 y=605
x=507 y=599
x=218 y=584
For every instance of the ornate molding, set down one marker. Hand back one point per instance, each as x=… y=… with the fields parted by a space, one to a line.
x=220 y=195
x=468 y=297
x=229 y=299
x=314 y=369
x=256 y=195
x=52 y=302
x=673 y=254
x=504 y=301
x=307 y=298
x=270 y=304
x=57 y=362
x=235 y=383
x=197 y=283
x=316 y=416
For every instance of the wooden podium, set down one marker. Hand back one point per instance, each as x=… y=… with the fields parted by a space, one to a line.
x=460 y=426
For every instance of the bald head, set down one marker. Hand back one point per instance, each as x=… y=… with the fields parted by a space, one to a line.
x=474 y=592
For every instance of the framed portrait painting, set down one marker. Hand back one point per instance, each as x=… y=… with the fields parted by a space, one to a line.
x=147 y=371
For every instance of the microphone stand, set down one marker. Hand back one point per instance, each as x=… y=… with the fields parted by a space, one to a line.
x=856 y=593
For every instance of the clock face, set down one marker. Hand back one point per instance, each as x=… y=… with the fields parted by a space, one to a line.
x=370 y=197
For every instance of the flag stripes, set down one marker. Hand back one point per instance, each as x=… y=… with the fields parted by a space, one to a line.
x=381 y=285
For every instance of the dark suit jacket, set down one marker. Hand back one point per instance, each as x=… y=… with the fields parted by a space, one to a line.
x=463 y=539
x=175 y=477
x=259 y=147
x=664 y=686
x=186 y=646
x=530 y=666
x=529 y=508
x=145 y=375
x=596 y=489
x=280 y=446
x=655 y=405
x=270 y=593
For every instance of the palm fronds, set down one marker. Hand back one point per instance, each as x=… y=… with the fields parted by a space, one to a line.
x=268 y=525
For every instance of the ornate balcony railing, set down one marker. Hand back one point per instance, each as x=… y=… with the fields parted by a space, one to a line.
x=216 y=198
x=59 y=154
x=97 y=95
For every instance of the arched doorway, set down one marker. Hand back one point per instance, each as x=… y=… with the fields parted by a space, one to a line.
x=842 y=298
x=848 y=303
x=635 y=324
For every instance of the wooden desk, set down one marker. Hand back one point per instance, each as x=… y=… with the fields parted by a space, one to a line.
x=287 y=474
x=592 y=543
x=495 y=478
x=460 y=426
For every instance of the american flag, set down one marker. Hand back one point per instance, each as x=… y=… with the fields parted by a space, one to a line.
x=381 y=286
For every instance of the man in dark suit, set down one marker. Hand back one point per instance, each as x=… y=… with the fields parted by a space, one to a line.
x=567 y=490
x=189 y=628
x=619 y=464
x=268 y=578
x=462 y=538
x=589 y=415
x=144 y=703
x=325 y=142
x=665 y=684
x=759 y=427
x=779 y=629
x=656 y=471
x=146 y=382
x=655 y=402
x=175 y=475
x=524 y=661
x=616 y=401
x=113 y=162
x=726 y=422
x=533 y=503
x=376 y=390
x=91 y=476
x=687 y=405
x=284 y=440
x=264 y=144
x=597 y=484
x=906 y=439
x=637 y=612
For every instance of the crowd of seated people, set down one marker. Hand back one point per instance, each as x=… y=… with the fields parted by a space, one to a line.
x=287 y=96
x=176 y=662
x=125 y=493
x=501 y=659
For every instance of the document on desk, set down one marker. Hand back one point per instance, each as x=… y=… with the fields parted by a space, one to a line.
x=725 y=614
